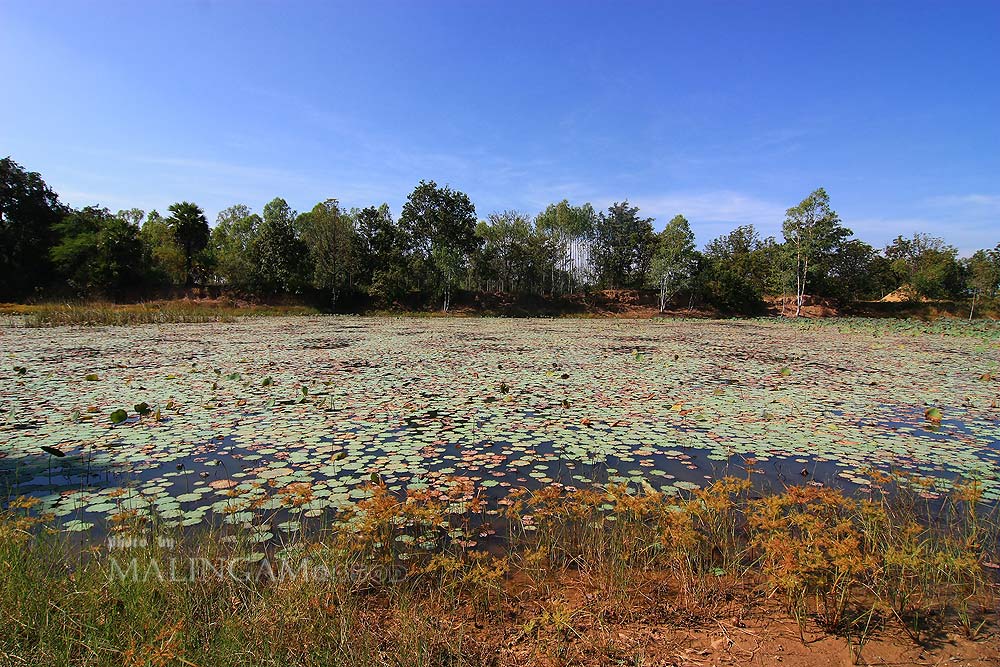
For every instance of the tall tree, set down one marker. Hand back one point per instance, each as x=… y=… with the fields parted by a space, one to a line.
x=190 y=228
x=278 y=253
x=29 y=210
x=776 y=263
x=441 y=224
x=568 y=230
x=814 y=232
x=133 y=216
x=983 y=272
x=736 y=270
x=164 y=255
x=853 y=275
x=674 y=259
x=330 y=239
x=384 y=248
x=505 y=250
x=98 y=253
x=622 y=246
x=232 y=240
x=926 y=265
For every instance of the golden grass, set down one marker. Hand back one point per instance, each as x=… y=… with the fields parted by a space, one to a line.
x=410 y=584
x=98 y=313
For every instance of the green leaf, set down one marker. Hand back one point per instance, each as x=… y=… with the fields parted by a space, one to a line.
x=91 y=377
x=118 y=416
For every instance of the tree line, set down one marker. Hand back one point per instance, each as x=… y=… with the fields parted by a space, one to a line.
x=438 y=246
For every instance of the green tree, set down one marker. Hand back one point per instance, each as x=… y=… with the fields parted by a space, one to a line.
x=567 y=230
x=383 y=249
x=330 y=239
x=776 y=263
x=164 y=254
x=98 y=252
x=926 y=265
x=853 y=271
x=190 y=228
x=983 y=271
x=622 y=246
x=133 y=216
x=278 y=253
x=232 y=240
x=674 y=259
x=29 y=211
x=441 y=224
x=813 y=230
x=735 y=270
x=505 y=251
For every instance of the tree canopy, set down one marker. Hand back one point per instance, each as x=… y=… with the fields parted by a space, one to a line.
x=190 y=229
x=29 y=213
x=439 y=246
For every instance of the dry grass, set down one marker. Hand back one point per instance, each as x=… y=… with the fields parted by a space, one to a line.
x=96 y=313
x=405 y=580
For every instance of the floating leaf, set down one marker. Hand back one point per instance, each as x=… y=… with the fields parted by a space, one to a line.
x=77 y=526
x=118 y=416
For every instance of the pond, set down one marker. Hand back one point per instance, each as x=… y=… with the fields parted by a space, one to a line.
x=237 y=416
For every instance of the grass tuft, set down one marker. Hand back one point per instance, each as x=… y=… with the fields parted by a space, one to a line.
x=414 y=579
x=154 y=312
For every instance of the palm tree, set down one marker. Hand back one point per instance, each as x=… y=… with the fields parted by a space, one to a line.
x=190 y=228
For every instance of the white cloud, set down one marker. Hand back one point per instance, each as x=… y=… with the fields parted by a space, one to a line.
x=982 y=203
x=718 y=206
x=716 y=212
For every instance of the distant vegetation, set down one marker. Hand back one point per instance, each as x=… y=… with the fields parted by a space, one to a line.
x=104 y=313
x=438 y=246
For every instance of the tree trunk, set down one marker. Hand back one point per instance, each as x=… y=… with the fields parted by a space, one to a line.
x=447 y=293
x=800 y=284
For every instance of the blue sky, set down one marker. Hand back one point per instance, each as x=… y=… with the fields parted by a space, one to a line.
x=728 y=112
